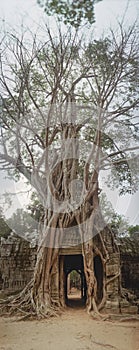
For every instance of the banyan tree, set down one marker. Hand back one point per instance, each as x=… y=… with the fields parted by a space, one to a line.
x=68 y=114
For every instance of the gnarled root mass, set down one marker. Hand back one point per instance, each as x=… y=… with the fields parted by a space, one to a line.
x=23 y=305
x=39 y=300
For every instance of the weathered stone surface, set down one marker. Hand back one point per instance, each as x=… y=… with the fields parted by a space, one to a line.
x=112 y=270
x=131 y=309
x=113 y=304
x=129 y=257
x=17 y=261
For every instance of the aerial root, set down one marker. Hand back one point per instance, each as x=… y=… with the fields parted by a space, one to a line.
x=24 y=306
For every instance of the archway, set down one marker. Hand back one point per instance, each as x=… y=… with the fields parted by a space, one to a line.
x=74 y=284
x=74 y=280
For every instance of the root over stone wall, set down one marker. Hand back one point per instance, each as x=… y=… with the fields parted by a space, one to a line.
x=17 y=261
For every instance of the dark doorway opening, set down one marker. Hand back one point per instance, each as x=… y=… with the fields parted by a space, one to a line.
x=98 y=268
x=75 y=282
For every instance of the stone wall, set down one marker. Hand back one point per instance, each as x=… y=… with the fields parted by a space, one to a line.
x=129 y=249
x=17 y=260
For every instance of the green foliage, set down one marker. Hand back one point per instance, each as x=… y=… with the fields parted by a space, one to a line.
x=4 y=228
x=116 y=95
x=119 y=223
x=134 y=231
x=21 y=222
x=112 y=66
x=75 y=279
x=116 y=221
x=35 y=208
x=124 y=175
x=71 y=12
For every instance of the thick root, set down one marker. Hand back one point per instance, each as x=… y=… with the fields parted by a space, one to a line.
x=24 y=306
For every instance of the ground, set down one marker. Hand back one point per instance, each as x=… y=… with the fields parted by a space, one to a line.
x=74 y=329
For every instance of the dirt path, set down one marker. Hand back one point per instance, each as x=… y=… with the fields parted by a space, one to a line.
x=74 y=329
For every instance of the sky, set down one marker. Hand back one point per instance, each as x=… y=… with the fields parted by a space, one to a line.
x=107 y=13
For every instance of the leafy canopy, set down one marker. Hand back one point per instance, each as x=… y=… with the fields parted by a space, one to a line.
x=71 y=12
x=100 y=79
x=134 y=231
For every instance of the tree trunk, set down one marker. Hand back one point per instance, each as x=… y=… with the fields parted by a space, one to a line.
x=45 y=294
